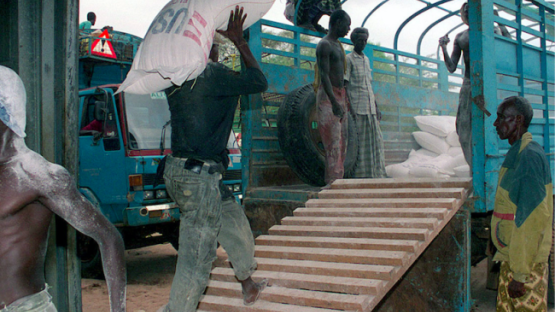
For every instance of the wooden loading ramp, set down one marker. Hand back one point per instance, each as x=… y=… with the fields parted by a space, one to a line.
x=345 y=250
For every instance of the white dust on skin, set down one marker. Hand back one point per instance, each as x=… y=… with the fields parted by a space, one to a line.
x=12 y=99
x=53 y=182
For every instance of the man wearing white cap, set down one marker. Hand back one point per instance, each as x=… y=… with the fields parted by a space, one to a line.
x=31 y=190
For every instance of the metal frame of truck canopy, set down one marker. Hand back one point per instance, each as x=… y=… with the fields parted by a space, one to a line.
x=408 y=84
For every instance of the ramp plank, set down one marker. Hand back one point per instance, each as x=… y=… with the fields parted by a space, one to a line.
x=293 y=296
x=344 y=285
x=357 y=256
x=381 y=272
x=438 y=213
x=225 y=304
x=421 y=223
x=402 y=183
x=339 y=242
x=393 y=193
x=449 y=203
x=352 y=232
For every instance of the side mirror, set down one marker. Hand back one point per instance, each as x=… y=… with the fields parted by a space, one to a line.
x=100 y=110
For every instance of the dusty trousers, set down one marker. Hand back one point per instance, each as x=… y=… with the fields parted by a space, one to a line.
x=205 y=220
x=39 y=302
x=333 y=131
x=464 y=121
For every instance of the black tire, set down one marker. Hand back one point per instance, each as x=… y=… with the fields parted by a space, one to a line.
x=89 y=253
x=173 y=237
x=478 y=248
x=300 y=140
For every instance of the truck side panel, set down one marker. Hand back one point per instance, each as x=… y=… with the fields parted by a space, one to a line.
x=523 y=66
x=405 y=85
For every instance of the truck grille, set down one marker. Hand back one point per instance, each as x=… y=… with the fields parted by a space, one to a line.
x=232 y=175
x=150 y=178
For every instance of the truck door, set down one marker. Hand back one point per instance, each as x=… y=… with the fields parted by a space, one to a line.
x=101 y=152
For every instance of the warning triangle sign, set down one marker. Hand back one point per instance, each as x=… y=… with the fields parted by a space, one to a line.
x=103 y=47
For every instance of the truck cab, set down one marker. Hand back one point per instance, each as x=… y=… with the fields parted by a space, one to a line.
x=122 y=139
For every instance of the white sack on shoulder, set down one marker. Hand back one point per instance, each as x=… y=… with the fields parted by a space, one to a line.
x=178 y=41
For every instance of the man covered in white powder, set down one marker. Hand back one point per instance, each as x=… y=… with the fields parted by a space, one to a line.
x=31 y=190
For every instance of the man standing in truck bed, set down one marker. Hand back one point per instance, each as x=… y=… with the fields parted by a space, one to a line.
x=464 y=111
x=202 y=114
x=31 y=189
x=358 y=83
x=331 y=97
x=522 y=218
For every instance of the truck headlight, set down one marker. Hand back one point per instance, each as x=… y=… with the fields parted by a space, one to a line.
x=148 y=195
x=161 y=194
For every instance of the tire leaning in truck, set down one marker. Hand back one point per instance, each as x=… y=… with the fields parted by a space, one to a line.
x=300 y=140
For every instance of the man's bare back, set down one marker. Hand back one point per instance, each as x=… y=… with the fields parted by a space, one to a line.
x=31 y=190
x=462 y=41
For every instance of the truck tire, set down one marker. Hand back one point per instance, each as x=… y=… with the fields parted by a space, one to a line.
x=91 y=261
x=300 y=140
x=173 y=237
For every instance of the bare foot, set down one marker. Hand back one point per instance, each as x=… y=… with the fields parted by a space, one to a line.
x=252 y=290
x=328 y=186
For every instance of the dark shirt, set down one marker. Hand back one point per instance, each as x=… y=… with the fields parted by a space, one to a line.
x=202 y=110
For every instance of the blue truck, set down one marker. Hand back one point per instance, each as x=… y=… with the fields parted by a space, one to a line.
x=122 y=139
x=405 y=84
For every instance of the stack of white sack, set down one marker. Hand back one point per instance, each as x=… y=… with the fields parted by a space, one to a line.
x=178 y=41
x=441 y=155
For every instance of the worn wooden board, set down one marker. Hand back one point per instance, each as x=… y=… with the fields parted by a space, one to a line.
x=351 y=247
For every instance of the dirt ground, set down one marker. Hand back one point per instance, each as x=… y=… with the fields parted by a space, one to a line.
x=149 y=276
x=150 y=273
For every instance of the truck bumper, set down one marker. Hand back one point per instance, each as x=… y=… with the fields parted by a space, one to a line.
x=151 y=214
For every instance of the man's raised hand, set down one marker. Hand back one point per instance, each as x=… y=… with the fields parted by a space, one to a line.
x=234 y=30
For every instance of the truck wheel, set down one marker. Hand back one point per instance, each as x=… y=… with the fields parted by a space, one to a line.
x=300 y=140
x=173 y=236
x=174 y=240
x=89 y=253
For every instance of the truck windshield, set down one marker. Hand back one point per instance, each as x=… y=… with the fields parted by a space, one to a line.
x=146 y=116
